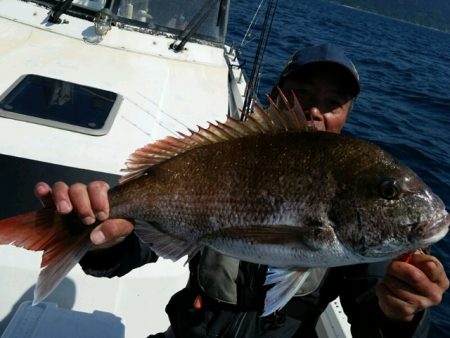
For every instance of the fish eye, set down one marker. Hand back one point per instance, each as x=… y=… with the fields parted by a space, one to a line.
x=389 y=189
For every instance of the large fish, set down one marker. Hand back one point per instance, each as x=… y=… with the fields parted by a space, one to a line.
x=266 y=190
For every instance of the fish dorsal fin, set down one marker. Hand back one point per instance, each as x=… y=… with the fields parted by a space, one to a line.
x=290 y=119
x=261 y=121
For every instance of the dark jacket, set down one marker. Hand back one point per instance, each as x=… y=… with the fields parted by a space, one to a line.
x=220 y=318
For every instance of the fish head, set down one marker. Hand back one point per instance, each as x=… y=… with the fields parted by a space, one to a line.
x=385 y=210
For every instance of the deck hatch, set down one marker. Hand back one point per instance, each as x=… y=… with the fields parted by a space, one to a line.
x=60 y=104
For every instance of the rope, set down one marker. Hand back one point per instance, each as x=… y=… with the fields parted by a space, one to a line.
x=250 y=90
x=251 y=27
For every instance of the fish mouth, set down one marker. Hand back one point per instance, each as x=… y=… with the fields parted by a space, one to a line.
x=431 y=231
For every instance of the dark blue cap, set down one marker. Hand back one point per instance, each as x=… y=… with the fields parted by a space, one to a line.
x=326 y=53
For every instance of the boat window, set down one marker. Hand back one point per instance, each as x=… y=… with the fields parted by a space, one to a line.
x=60 y=104
x=94 y=5
x=175 y=15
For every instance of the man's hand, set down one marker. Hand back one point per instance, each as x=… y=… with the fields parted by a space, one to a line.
x=411 y=287
x=90 y=203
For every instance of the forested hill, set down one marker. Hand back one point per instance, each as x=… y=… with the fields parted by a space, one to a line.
x=430 y=13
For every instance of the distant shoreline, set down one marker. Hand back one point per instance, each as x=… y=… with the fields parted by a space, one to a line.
x=389 y=17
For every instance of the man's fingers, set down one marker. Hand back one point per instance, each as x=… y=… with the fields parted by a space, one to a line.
x=44 y=193
x=409 y=274
x=60 y=192
x=399 y=288
x=417 y=280
x=402 y=291
x=432 y=268
x=90 y=202
x=424 y=273
x=111 y=232
x=79 y=196
x=393 y=307
x=408 y=288
x=98 y=194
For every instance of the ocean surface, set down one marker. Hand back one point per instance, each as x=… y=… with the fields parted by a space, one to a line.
x=404 y=69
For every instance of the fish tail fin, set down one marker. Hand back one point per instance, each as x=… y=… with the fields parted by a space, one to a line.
x=63 y=239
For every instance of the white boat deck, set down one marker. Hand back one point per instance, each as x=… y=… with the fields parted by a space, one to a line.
x=139 y=298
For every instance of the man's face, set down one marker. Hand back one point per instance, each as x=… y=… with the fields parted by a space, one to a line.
x=323 y=97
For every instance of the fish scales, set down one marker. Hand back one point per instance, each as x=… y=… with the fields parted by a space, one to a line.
x=262 y=179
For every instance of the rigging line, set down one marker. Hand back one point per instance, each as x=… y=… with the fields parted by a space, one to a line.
x=257 y=85
x=252 y=23
x=250 y=93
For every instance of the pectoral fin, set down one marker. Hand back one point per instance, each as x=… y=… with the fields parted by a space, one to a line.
x=287 y=283
x=313 y=238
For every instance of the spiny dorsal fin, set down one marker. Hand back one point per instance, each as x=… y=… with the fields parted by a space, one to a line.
x=261 y=121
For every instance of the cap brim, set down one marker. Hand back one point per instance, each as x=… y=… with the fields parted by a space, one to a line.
x=353 y=81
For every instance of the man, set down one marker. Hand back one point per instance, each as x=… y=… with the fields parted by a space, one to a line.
x=224 y=297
